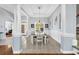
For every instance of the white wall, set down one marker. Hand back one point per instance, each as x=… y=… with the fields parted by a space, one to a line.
x=54 y=26
x=2 y=24
x=68 y=26
x=70 y=18
x=4 y=16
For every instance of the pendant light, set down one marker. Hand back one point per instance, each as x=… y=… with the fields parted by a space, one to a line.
x=39 y=12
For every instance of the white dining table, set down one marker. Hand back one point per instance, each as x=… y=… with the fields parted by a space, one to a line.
x=42 y=37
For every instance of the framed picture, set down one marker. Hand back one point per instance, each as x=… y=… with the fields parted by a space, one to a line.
x=55 y=22
x=60 y=21
x=32 y=25
x=46 y=26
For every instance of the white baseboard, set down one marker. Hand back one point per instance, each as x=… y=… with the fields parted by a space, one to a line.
x=61 y=50
x=17 y=52
x=68 y=51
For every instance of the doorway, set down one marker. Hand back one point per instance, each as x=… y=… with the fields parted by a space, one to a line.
x=8 y=33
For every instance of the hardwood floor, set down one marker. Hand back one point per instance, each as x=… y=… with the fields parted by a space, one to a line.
x=52 y=48
x=46 y=54
x=4 y=50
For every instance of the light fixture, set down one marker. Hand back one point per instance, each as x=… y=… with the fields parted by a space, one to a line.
x=39 y=11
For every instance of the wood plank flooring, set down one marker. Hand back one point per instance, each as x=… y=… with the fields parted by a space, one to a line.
x=4 y=50
x=51 y=48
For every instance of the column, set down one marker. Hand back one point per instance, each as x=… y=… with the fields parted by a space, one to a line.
x=17 y=30
x=68 y=26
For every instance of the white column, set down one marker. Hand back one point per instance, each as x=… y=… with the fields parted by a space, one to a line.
x=63 y=17
x=68 y=26
x=17 y=21
x=17 y=30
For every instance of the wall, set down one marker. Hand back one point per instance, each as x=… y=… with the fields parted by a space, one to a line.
x=54 y=25
x=67 y=33
x=68 y=26
x=33 y=20
x=4 y=16
x=2 y=26
x=70 y=17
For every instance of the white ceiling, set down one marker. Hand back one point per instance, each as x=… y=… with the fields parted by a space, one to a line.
x=32 y=9
x=8 y=7
x=45 y=9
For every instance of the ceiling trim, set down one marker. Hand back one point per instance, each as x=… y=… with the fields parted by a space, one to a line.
x=54 y=10
x=31 y=14
x=10 y=14
x=25 y=11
